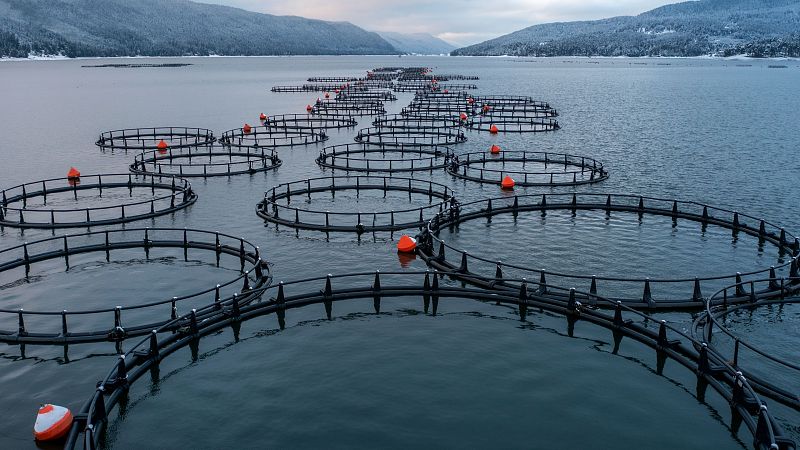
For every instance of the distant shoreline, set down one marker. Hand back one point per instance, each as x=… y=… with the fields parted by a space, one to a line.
x=94 y=58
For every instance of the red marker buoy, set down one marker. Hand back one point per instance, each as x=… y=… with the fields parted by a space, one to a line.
x=486 y=108
x=463 y=116
x=470 y=100
x=493 y=129
x=308 y=108
x=262 y=117
x=327 y=95
x=406 y=244
x=247 y=128
x=73 y=174
x=495 y=149
x=336 y=91
x=507 y=183
x=53 y=422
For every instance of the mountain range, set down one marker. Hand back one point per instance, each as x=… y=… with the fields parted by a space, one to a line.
x=170 y=28
x=417 y=43
x=694 y=28
x=88 y=28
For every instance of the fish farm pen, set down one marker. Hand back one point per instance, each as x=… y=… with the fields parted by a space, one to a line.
x=143 y=139
x=373 y=158
x=25 y=206
x=412 y=160
x=208 y=161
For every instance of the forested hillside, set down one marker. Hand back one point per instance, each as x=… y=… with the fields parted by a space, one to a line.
x=762 y=28
x=169 y=28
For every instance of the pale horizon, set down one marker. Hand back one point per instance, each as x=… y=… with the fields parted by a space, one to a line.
x=459 y=23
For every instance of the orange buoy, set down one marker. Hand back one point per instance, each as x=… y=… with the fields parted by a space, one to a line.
x=162 y=145
x=53 y=422
x=262 y=117
x=406 y=244
x=247 y=128
x=327 y=95
x=73 y=173
x=470 y=100
x=507 y=183
x=336 y=91
x=495 y=149
x=493 y=129
x=486 y=108
x=463 y=116
x=309 y=108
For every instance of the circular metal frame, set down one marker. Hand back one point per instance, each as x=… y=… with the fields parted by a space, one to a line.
x=411 y=137
x=512 y=124
x=678 y=210
x=271 y=137
x=254 y=274
x=200 y=162
x=144 y=139
x=309 y=122
x=348 y=108
x=462 y=166
x=712 y=321
x=401 y=122
x=668 y=341
x=179 y=195
x=414 y=158
x=271 y=210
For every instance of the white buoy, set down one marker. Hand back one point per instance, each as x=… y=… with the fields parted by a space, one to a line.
x=52 y=422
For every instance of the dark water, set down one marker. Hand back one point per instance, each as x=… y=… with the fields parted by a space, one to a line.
x=700 y=130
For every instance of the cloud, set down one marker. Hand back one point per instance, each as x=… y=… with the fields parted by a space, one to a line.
x=461 y=22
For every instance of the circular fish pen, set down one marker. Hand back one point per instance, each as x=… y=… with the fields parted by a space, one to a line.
x=512 y=124
x=53 y=203
x=381 y=158
x=401 y=122
x=62 y=326
x=383 y=96
x=348 y=108
x=204 y=162
x=638 y=292
x=527 y=168
x=411 y=137
x=668 y=341
x=309 y=122
x=271 y=137
x=144 y=139
x=332 y=79
x=435 y=108
x=772 y=373
x=277 y=204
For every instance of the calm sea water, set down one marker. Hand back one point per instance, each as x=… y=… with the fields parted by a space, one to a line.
x=720 y=132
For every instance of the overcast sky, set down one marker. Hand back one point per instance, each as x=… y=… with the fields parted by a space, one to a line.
x=461 y=22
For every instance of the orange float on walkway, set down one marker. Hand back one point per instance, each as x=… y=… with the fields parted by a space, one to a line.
x=53 y=422
x=262 y=116
x=406 y=244
x=493 y=129
x=507 y=183
x=495 y=149
x=73 y=173
x=247 y=128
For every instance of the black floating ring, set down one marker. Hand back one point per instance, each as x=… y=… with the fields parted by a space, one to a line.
x=269 y=209
x=705 y=215
x=178 y=194
x=575 y=170
x=371 y=158
x=254 y=274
